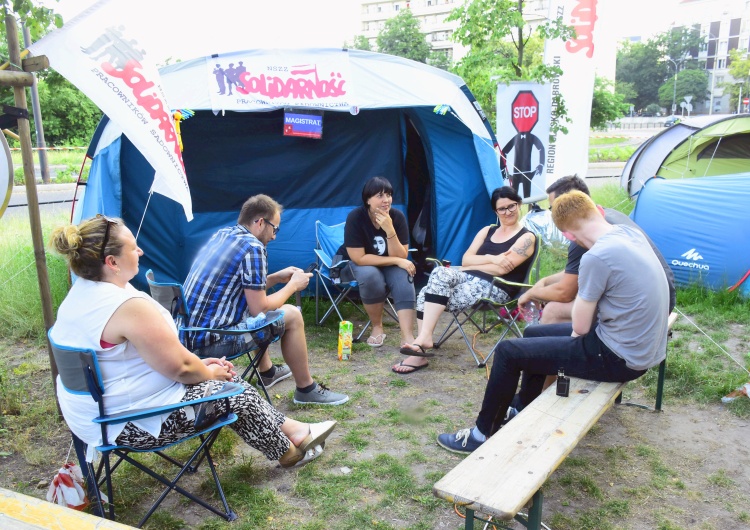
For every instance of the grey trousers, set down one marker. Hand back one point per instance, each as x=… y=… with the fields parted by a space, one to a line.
x=375 y=283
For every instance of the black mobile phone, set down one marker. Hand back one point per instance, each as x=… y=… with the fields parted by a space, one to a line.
x=311 y=267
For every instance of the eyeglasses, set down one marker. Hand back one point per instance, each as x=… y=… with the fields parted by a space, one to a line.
x=275 y=228
x=508 y=209
x=105 y=240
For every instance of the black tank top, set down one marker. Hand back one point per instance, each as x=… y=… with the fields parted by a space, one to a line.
x=489 y=247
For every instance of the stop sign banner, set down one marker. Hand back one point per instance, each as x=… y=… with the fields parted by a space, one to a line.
x=525 y=111
x=523 y=122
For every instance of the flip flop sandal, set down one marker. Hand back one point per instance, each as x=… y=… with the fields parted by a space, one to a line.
x=376 y=341
x=406 y=350
x=413 y=368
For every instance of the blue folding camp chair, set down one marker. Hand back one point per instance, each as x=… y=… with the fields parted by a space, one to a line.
x=80 y=374
x=505 y=314
x=171 y=296
x=328 y=274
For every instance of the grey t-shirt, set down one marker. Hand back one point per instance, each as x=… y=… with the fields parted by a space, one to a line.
x=624 y=277
x=615 y=217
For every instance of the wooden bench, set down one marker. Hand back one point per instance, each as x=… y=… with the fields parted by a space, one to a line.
x=509 y=469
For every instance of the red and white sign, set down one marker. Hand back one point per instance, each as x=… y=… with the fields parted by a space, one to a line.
x=746 y=101
x=100 y=53
x=525 y=111
x=248 y=81
x=568 y=153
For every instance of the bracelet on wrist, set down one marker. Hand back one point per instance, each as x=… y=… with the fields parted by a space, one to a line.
x=391 y=237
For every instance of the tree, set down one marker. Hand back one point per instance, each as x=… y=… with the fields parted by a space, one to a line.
x=70 y=118
x=606 y=106
x=640 y=69
x=504 y=48
x=439 y=59
x=739 y=69
x=401 y=36
x=689 y=83
x=360 y=43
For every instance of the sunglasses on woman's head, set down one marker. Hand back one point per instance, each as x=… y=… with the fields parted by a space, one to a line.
x=105 y=240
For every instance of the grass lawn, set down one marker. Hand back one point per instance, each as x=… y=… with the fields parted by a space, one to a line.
x=635 y=469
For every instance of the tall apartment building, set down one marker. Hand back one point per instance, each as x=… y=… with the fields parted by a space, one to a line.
x=724 y=26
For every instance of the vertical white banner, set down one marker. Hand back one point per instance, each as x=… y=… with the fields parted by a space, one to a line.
x=568 y=153
x=523 y=120
x=99 y=51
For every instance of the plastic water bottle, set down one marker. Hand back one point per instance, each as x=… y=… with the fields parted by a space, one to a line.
x=533 y=316
x=345 y=340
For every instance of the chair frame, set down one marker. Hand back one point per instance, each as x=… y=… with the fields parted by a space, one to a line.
x=327 y=272
x=174 y=302
x=487 y=305
x=81 y=375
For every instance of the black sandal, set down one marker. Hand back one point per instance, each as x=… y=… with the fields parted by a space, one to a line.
x=405 y=350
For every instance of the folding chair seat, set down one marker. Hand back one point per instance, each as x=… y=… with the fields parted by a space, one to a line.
x=80 y=374
x=505 y=314
x=171 y=296
x=328 y=275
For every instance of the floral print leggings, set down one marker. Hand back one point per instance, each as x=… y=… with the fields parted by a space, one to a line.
x=258 y=423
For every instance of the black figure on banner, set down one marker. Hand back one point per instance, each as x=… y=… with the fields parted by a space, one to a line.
x=525 y=115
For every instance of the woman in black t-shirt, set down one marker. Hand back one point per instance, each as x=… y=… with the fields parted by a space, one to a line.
x=502 y=250
x=376 y=241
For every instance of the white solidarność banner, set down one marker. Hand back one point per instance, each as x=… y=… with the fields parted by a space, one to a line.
x=523 y=118
x=98 y=52
x=568 y=153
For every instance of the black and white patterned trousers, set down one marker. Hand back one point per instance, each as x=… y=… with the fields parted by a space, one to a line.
x=456 y=290
x=258 y=423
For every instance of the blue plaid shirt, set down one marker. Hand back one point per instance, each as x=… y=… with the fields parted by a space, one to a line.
x=233 y=260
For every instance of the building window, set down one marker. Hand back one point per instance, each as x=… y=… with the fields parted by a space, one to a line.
x=721 y=63
x=396 y=7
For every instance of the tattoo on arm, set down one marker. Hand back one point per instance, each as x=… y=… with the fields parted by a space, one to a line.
x=523 y=246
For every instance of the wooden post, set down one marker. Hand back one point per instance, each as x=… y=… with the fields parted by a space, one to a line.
x=14 y=52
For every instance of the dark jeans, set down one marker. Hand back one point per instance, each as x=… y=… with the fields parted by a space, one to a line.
x=538 y=356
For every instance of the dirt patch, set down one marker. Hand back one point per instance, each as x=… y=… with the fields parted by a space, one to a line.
x=686 y=467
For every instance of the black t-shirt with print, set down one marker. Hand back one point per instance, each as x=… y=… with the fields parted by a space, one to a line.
x=360 y=233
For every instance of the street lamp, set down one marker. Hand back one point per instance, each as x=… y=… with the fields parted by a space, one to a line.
x=674 y=90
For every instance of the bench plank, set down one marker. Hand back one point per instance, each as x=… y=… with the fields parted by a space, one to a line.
x=527 y=450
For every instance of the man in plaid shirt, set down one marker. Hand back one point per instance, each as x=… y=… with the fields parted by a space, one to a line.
x=227 y=284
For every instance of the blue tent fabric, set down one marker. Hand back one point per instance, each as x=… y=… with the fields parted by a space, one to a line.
x=230 y=156
x=700 y=227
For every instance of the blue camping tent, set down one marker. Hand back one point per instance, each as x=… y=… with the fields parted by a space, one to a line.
x=700 y=226
x=418 y=126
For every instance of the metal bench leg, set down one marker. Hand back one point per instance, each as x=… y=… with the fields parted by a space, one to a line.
x=660 y=384
x=534 y=520
x=469 y=522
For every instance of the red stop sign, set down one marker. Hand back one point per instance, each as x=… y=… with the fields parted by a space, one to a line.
x=524 y=111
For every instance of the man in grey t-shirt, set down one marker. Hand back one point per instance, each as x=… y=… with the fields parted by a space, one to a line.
x=618 y=328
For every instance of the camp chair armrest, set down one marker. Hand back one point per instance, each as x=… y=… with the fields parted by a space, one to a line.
x=228 y=390
x=498 y=281
x=437 y=262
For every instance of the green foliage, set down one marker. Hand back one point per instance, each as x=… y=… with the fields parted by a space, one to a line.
x=640 y=72
x=689 y=83
x=69 y=117
x=503 y=48
x=401 y=36
x=439 y=59
x=360 y=43
x=37 y=18
x=739 y=69
x=606 y=105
